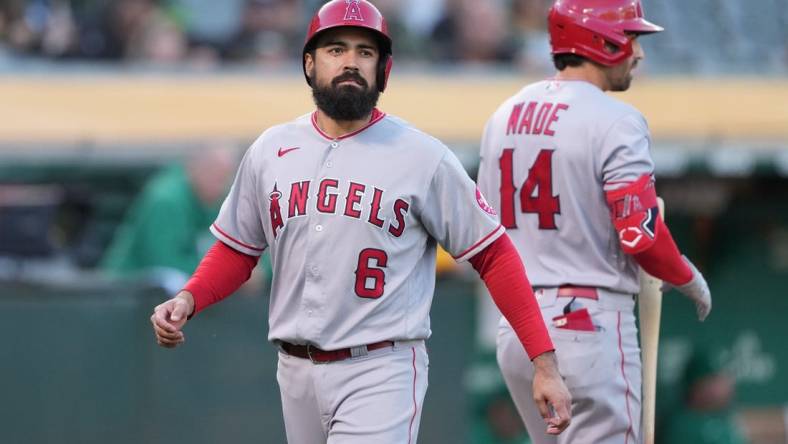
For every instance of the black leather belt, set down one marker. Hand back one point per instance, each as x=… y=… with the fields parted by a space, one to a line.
x=317 y=355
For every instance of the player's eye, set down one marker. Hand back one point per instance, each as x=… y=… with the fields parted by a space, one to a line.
x=366 y=53
x=336 y=50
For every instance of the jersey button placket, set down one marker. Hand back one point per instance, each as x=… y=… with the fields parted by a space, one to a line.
x=333 y=146
x=313 y=295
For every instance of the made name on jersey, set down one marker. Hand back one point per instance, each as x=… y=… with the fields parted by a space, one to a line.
x=328 y=198
x=534 y=118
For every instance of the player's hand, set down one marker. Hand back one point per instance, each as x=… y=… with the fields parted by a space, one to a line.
x=697 y=290
x=551 y=395
x=169 y=318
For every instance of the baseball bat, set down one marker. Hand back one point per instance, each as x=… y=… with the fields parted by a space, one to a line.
x=650 y=311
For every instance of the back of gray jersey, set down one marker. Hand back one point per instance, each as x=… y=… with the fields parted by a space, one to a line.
x=352 y=225
x=548 y=155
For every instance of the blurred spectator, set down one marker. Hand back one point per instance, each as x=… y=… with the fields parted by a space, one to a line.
x=209 y=22
x=473 y=31
x=44 y=26
x=706 y=416
x=271 y=31
x=533 y=41
x=149 y=33
x=420 y=16
x=4 y=22
x=206 y=33
x=166 y=229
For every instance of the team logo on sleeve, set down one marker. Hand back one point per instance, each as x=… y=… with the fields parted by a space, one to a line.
x=353 y=11
x=483 y=203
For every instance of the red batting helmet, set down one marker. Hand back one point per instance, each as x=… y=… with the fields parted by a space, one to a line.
x=356 y=13
x=583 y=27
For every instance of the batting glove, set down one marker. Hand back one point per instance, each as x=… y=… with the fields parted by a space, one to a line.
x=697 y=290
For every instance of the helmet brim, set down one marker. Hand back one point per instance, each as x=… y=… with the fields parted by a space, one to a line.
x=642 y=26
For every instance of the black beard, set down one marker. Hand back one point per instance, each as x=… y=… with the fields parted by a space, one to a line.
x=346 y=102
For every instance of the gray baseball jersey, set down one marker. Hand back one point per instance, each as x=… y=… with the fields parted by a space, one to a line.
x=548 y=155
x=352 y=225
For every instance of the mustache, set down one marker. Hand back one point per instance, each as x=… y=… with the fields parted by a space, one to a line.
x=350 y=75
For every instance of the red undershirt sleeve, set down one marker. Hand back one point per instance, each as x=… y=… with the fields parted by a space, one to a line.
x=663 y=259
x=500 y=267
x=221 y=272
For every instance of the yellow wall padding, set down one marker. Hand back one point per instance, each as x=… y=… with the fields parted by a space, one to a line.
x=171 y=108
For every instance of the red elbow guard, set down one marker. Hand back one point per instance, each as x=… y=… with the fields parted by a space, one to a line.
x=634 y=211
x=642 y=233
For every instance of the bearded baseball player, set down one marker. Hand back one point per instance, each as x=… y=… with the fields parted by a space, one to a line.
x=351 y=203
x=568 y=169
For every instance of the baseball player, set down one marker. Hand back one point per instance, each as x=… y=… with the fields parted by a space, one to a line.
x=351 y=203
x=569 y=171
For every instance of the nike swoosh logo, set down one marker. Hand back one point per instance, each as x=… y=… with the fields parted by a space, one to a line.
x=283 y=151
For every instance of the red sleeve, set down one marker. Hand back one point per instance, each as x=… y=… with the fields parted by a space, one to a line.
x=663 y=259
x=502 y=270
x=222 y=271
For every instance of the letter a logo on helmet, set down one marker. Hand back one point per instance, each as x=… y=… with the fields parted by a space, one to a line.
x=353 y=11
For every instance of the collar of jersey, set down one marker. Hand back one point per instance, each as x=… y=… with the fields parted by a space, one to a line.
x=580 y=81
x=377 y=116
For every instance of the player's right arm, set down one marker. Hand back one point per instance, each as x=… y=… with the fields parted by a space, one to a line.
x=627 y=174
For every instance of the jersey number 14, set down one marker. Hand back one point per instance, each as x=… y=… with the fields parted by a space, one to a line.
x=536 y=194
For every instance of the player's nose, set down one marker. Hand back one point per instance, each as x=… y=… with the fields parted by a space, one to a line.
x=350 y=61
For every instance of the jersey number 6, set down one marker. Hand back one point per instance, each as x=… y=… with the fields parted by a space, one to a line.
x=540 y=178
x=366 y=274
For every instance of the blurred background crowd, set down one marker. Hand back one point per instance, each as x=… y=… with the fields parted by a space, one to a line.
x=122 y=123
x=707 y=36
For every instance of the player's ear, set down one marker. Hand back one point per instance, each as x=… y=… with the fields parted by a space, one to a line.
x=309 y=64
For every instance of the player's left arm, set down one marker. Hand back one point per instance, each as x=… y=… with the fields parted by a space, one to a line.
x=631 y=196
x=456 y=214
x=500 y=267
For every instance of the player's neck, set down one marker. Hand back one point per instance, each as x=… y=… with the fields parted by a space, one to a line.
x=586 y=73
x=338 y=128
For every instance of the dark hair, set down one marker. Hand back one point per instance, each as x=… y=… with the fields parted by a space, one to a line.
x=562 y=61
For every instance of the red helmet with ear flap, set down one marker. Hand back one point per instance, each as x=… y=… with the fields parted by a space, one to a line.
x=583 y=27
x=355 y=13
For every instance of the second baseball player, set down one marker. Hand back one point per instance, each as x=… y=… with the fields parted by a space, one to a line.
x=569 y=170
